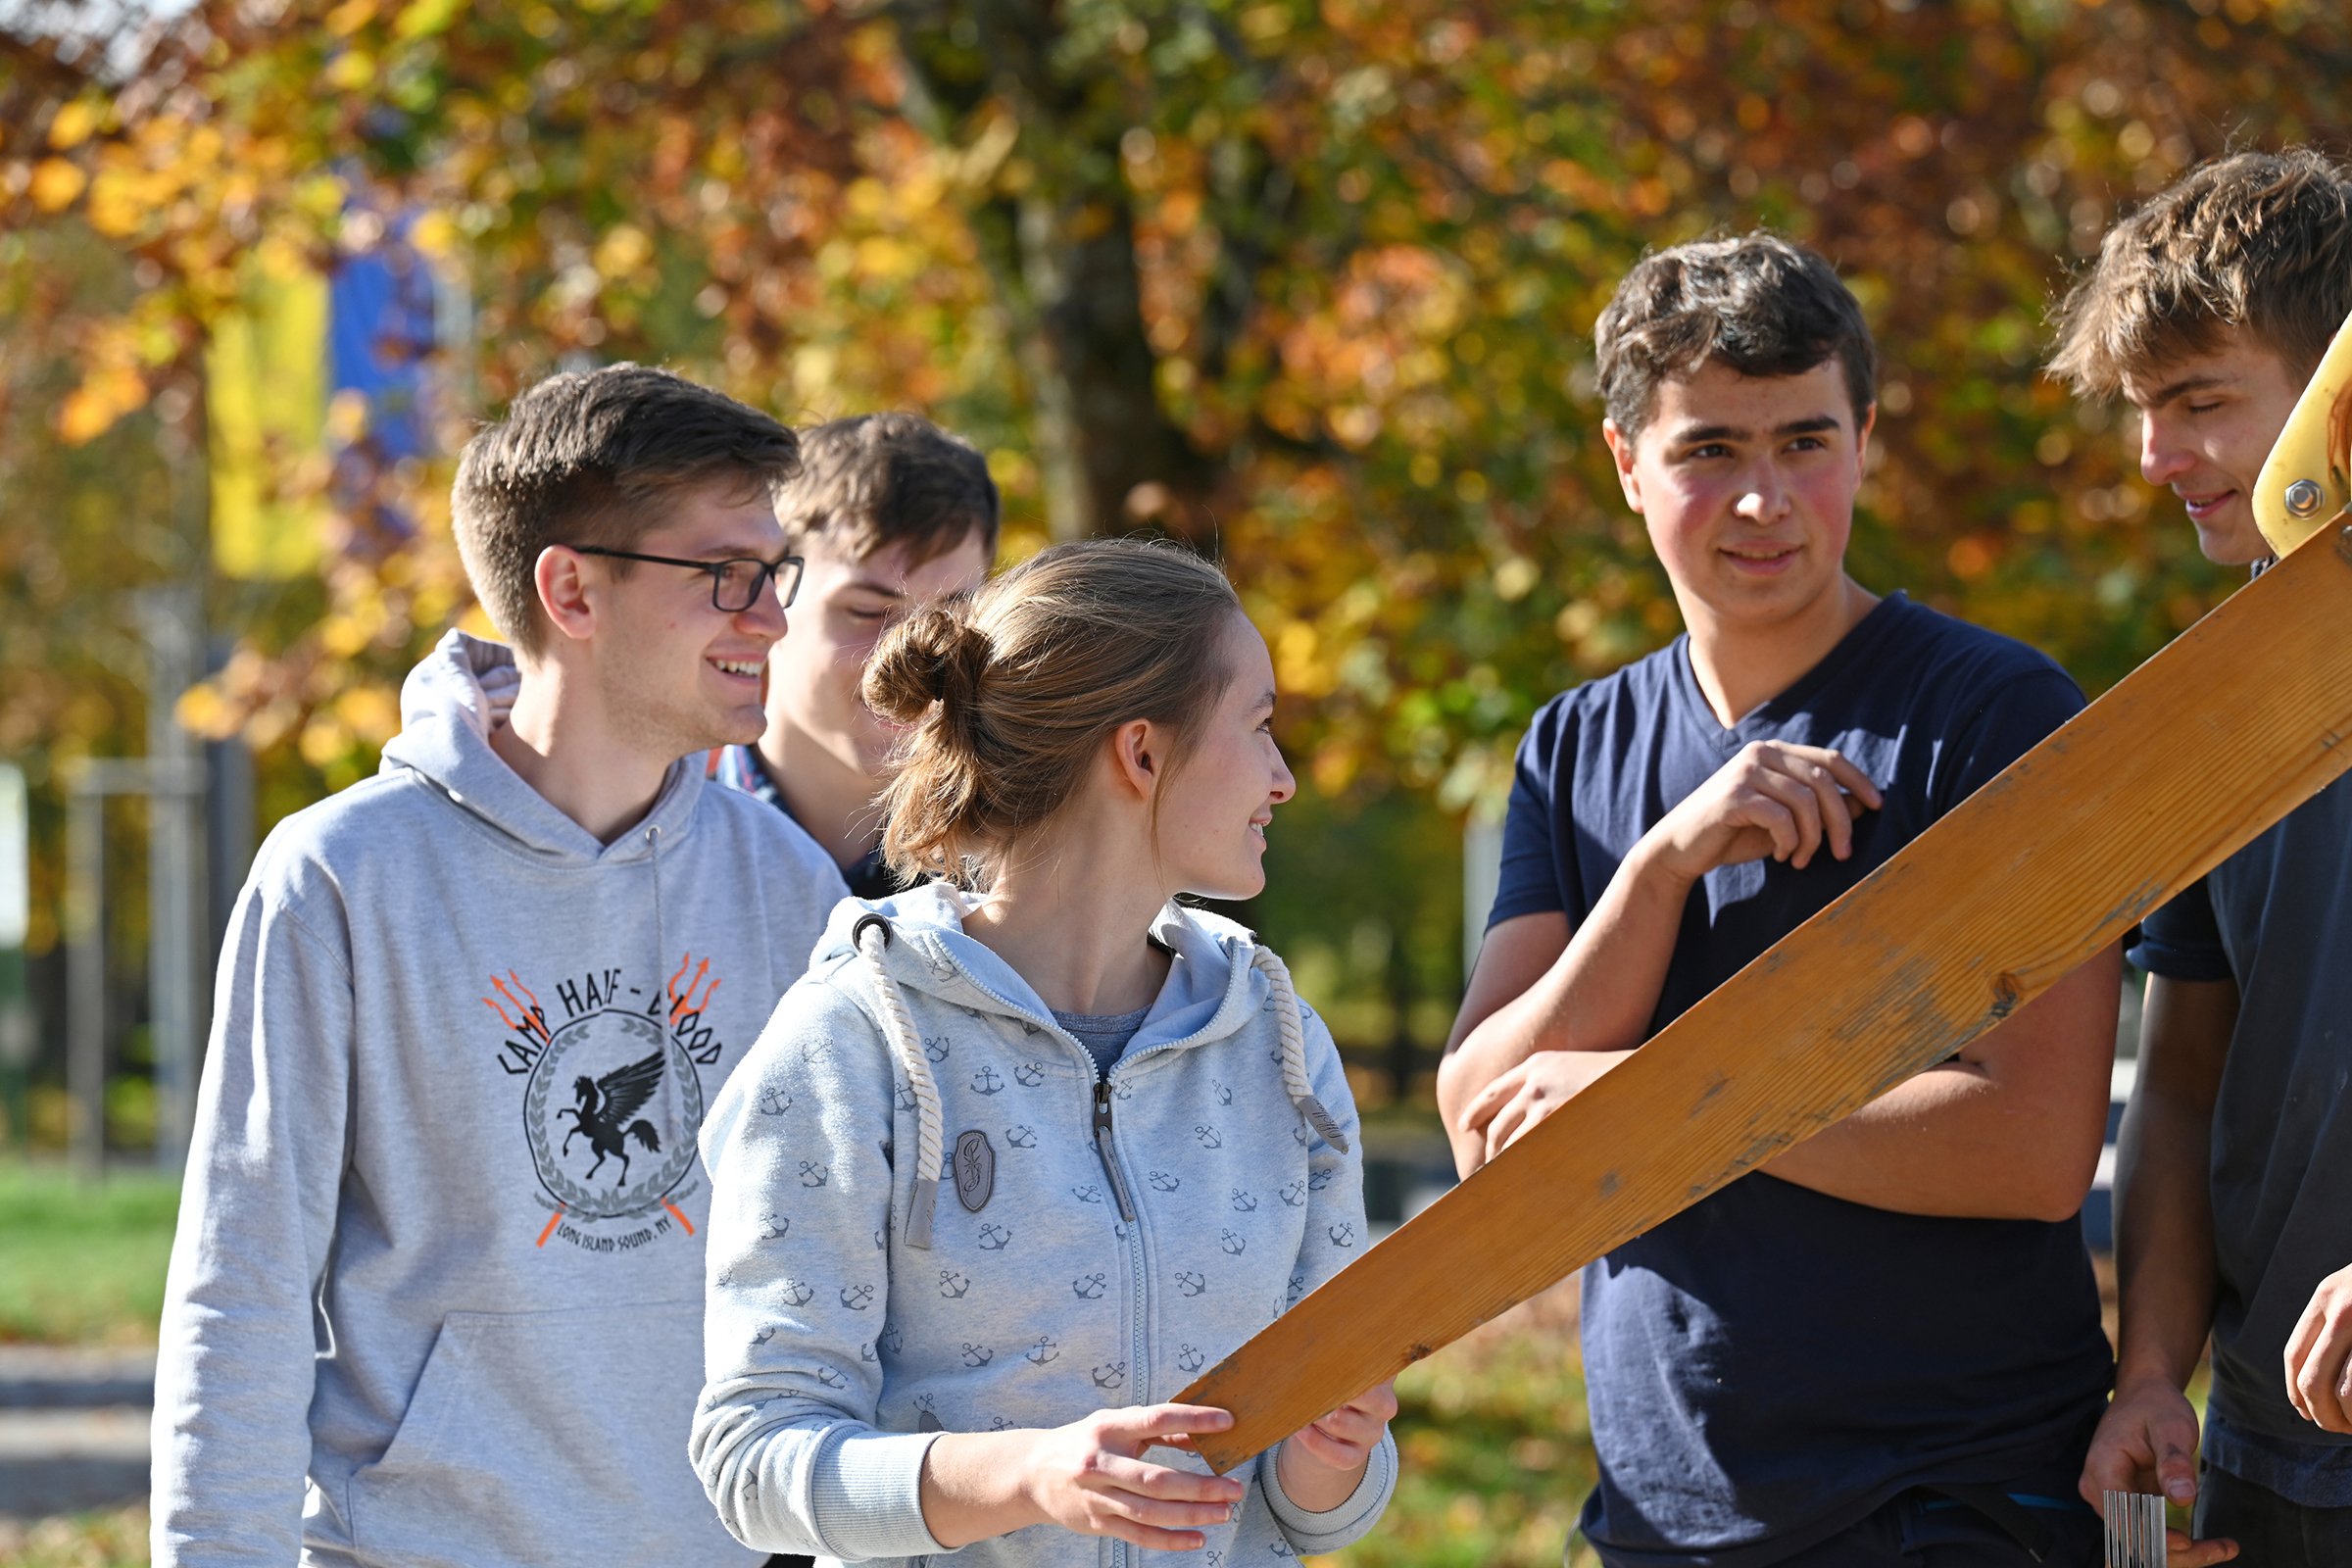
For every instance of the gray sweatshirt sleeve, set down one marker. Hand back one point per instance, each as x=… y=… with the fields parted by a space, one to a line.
x=1335 y=1238
x=234 y=1366
x=799 y=1146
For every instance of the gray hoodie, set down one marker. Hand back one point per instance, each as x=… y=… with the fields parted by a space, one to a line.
x=436 y=1293
x=929 y=1213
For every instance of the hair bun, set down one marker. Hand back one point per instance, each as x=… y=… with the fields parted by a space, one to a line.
x=936 y=655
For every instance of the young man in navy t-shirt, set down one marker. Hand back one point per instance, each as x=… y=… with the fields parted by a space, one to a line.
x=1885 y=1349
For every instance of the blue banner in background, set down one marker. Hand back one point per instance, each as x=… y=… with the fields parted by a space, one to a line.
x=381 y=343
x=320 y=387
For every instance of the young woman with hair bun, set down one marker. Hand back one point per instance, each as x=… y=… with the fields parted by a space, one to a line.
x=1034 y=1142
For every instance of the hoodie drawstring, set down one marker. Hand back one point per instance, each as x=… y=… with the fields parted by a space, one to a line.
x=653 y=838
x=1294 y=1050
x=898 y=1025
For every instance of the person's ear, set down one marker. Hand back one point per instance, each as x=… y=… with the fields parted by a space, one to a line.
x=561 y=578
x=1134 y=759
x=1870 y=420
x=1621 y=448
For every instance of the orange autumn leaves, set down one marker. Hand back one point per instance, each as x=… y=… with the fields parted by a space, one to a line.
x=1368 y=243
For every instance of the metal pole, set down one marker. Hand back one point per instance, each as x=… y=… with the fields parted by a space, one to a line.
x=229 y=835
x=16 y=919
x=85 y=978
x=174 y=878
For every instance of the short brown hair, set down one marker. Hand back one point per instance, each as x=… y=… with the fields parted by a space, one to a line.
x=1758 y=304
x=580 y=458
x=1014 y=691
x=2256 y=240
x=882 y=480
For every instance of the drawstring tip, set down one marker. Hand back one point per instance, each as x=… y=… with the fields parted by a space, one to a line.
x=1320 y=1120
x=920 y=1211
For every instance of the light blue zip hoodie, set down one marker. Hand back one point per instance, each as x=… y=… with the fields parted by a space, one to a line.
x=436 y=1296
x=929 y=1212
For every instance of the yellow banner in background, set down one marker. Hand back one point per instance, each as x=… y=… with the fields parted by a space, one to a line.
x=265 y=375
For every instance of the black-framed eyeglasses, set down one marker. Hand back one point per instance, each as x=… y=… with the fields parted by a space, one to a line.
x=735 y=582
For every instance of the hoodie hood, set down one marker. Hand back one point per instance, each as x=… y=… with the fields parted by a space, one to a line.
x=1220 y=978
x=1211 y=989
x=448 y=707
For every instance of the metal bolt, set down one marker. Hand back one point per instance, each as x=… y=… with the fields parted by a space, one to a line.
x=2303 y=498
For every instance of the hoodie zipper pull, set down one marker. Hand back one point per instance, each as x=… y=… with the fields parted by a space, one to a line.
x=1103 y=1147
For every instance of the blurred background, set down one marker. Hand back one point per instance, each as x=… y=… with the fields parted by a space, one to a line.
x=1308 y=283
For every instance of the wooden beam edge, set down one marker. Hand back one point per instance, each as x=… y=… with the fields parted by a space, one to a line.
x=1382 y=1299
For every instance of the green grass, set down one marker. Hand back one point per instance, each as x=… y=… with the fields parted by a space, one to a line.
x=1496 y=1456
x=82 y=1262
x=113 y=1539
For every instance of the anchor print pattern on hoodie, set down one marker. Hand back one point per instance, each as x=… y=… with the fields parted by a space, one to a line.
x=894 y=1253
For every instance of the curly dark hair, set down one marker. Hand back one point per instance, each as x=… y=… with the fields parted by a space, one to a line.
x=1758 y=304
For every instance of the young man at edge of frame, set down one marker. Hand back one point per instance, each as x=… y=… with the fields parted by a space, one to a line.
x=436 y=1293
x=2207 y=312
x=1884 y=1347
x=891 y=512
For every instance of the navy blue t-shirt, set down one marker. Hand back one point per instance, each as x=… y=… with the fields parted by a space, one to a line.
x=740 y=768
x=1770 y=1365
x=2277 y=918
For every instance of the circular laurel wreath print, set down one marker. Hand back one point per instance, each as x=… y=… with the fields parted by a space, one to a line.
x=639 y=1036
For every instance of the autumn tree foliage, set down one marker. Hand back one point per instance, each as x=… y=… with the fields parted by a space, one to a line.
x=1309 y=282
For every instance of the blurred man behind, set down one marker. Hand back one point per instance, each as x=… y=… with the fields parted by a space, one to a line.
x=890 y=513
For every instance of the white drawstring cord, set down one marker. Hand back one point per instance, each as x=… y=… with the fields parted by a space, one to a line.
x=653 y=844
x=1294 y=1050
x=898 y=1025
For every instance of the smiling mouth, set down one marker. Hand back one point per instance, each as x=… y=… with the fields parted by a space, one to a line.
x=741 y=668
x=2202 y=504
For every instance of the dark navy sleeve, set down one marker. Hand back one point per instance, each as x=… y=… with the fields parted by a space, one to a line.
x=2183 y=941
x=2015 y=716
x=1530 y=882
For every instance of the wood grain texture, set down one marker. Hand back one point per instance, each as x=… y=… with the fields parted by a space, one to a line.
x=2199 y=750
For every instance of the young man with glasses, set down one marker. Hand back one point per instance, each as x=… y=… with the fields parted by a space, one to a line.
x=891 y=512
x=436 y=1296
x=1882 y=1350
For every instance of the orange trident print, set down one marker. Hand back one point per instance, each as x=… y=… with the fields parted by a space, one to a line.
x=683 y=1001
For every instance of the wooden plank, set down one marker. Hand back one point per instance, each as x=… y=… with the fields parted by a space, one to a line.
x=2200 y=749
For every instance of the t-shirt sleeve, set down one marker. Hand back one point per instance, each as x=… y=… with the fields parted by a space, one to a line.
x=1530 y=879
x=2183 y=941
x=2013 y=719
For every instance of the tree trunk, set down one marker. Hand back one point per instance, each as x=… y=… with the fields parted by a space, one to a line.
x=1109 y=455
x=1060 y=254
